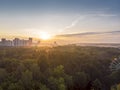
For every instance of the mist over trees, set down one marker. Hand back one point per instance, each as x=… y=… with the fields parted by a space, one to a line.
x=57 y=68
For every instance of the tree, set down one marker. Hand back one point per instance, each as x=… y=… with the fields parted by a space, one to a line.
x=1 y=88
x=43 y=87
x=35 y=71
x=97 y=85
x=26 y=79
x=56 y=83
x=59 y=71
x=80 y=80
x=61 y=84
x=42 y=62
x=15 y=86
x=3 y=74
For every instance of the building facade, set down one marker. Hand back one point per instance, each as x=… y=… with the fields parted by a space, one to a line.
x=16 y=42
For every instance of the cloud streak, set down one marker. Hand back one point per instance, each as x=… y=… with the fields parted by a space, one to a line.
x=88 y=33
x=74 y=23
x=85 y=17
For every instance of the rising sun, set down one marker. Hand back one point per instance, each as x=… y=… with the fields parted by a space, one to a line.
x=45 y=36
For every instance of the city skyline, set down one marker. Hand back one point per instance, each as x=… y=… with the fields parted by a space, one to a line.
x=33 y=18
x=16 y=42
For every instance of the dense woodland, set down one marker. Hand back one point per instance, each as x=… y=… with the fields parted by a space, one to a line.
x=57 y=68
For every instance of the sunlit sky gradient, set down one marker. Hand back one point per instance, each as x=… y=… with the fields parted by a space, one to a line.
x=31 y=17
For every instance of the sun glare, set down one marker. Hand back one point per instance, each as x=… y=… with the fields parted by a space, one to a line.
x=45 y=36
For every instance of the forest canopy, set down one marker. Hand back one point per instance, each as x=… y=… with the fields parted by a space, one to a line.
x=57 y=68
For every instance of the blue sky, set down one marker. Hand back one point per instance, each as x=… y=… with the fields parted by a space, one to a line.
x=30 y=17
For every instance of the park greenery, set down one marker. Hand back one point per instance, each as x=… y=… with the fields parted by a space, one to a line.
x=57 y=68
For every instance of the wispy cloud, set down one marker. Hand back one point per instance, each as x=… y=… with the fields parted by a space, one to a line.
x=86 y=17
x=106 y=15
x=73 y=23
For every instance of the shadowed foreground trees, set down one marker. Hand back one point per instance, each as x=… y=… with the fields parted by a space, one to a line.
x=57 y=68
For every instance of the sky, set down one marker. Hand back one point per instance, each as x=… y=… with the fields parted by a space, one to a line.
x=56 y=17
